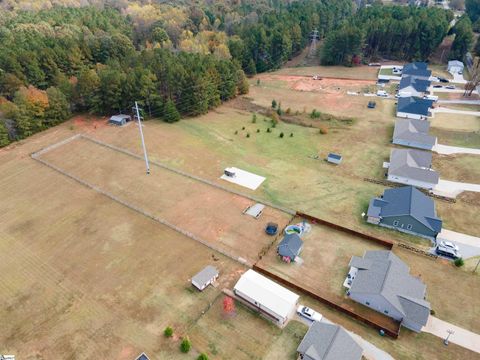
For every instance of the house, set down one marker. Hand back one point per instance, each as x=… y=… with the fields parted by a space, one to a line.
x=328 y=342
x=417 y=69
x=405 y=209
x=119 y=120
x=205 y=277
x=271 y=300
x=414 y=108
x=455 y=67
x=142 y=356
x=290 y=247
x=413 y=133
x=383 y=283
x=412 y=86
x=412 y=167
x=334 y=158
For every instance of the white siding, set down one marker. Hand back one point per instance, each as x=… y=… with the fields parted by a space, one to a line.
x=406 y=181
x=410 y=116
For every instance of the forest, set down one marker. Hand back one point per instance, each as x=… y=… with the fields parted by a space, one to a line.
x=175 y=60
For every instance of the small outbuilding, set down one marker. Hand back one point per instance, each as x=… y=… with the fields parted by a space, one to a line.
x=205 y=277
x=142 y=356
x=290 y=247
x=272 y=300
x=334 y=158
x=455 y=67
x=120 y=119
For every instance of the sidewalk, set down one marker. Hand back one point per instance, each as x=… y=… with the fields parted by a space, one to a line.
x=461 y=337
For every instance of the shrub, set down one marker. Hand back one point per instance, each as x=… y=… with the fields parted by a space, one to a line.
x=432 y=312
x=297 y=112
x=274 y=104
x=281 y=135
x=258 y=82
x=288 y=111
x=291 y=134
x=323 y=130
x=279 y=109
x=459 y=262
x=315 y=114
x=268 y=130
x=236 y=132
x=258 y=130
x=185 y=345
x=254 y=118
x=168 y=332
x=243 y=128
x=202 y=356
x=274 y=125
x=248 y=135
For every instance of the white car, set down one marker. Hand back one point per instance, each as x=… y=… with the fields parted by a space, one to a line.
x=308 y=313
x=449 y=244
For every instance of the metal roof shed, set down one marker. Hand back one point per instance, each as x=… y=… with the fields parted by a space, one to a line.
x=334 y=158
x=120 y=119
x=265 y=295
x=205 y=277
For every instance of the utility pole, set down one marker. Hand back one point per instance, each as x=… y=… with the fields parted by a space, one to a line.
x=147 y=165
x=313 y=47
x=476 y=267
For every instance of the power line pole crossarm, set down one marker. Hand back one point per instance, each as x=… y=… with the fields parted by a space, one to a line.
x=147 y=164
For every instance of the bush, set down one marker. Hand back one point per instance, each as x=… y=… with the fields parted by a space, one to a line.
x=323 y=130
x=258 y=130
x=291 y=134
x=459 y=262
x=274 y=104
x=432 y=312
x=268 y=130
x=254 y=118
x=202 y=356
x=281 y=135
x=248 y=135
x=185 y=345
x=243 y=128
x=288 y=111
x=315 y=114
x=258 y=82
x=168 y=332
x=236 y=132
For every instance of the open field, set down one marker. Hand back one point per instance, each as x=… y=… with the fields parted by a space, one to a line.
x=209 y=213
x=359 y=72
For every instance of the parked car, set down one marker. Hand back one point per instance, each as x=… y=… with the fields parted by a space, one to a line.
x=371 y=104
x=460 y=72
x=449 y=244
x=450 y=87
x=443 y=80
x=382 y=93
x=447 y=251
x=271 y=228
x=374 y=64
x=431 y=97
x=438 y=86
x=317 y=77
x=308 y=313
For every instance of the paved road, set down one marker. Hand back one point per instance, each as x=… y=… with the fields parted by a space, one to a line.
x=449 y=150
x=460 y=336
x=370 y=351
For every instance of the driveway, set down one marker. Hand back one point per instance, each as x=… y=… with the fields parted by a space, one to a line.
x=449 y=150
x=459 y=238
x=458 y=78
x=454 y=111
x=370 y=351
x=461 y=337
x=453 y=188
x=460 y=101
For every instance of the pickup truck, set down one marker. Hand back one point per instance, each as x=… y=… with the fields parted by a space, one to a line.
x=308 y=313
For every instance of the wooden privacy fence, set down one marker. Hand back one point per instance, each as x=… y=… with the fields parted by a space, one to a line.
x=315 y=220
x=390 y=326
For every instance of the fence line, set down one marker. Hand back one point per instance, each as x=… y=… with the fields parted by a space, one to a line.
x=418 y=251
x=191 y=176
x=142 y=212
x=55 y=145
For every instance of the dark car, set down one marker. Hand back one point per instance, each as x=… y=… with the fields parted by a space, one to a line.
x=443 y=80
x=271 y=228
x=438 y=86
x=371 y=104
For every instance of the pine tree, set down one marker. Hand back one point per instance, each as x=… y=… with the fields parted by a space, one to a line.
x=171 y=113
x=4 y=139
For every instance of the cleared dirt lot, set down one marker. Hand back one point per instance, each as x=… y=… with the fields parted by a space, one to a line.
x=209 y=213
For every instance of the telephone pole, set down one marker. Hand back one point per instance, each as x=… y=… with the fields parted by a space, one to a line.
x=313 y=47
x=147 y=164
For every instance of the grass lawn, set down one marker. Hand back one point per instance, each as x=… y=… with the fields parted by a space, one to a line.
x=458 y=167
x=456 y=138
x=358 y=72
x=456 y=122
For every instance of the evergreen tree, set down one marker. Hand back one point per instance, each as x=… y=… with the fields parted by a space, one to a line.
x=58 y=107
x=4 y=139
x=171 y=113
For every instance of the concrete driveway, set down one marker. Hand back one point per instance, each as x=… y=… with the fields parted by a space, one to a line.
x=449 y=150
x=454 y=111
x=460 y=101
x=457 y=237
x=460 y=336
x=452 y=189
x=458 y=78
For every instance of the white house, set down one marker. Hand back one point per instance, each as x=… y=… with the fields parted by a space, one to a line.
x=266 y=296
x=455 y=66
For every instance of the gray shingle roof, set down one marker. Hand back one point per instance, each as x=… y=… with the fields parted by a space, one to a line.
x=413 y=130
x=389 y=277
x=290 y=246
x=329 y=342
x=416 y=69
x=412 y=164
x=407 y=200
x=414 y=105
x=205 y=275
x=418 y=84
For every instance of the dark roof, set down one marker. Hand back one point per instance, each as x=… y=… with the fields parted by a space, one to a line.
x=413 y=130
x=406 y=200
x=381 y=272
x=412 y=164
x=142 y=356
x=418 y=69
x=418 y=84
x=414 y=105
x=329 y=342
x=290 y=246
x=335 y=156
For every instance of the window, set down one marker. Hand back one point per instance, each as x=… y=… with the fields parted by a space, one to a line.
x=409 y=227
x=395 y=223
